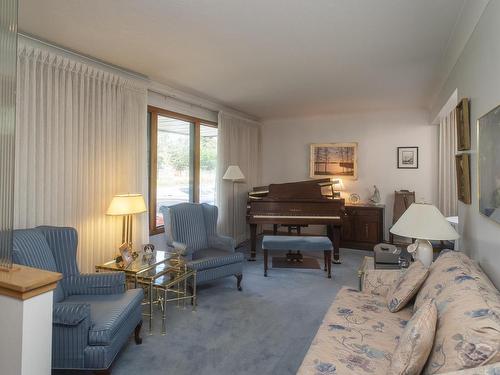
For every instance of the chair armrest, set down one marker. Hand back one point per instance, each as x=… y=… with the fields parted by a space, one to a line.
x=70 y=334
x=492 y=369
x=378 y=282
x=221 y=242
x=181 y=248
x=95 y=283
x=70 y=314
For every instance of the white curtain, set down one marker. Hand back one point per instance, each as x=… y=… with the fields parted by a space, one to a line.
x=447 y=181
x=81 y=138
x=238 y=144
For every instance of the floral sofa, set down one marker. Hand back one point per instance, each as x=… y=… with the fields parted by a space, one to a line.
x=359 y=334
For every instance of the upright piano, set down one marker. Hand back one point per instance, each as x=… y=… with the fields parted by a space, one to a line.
x=296 y=203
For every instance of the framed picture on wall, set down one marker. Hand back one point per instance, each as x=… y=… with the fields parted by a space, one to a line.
x=463 y=125
x=462 y=162
x=408 y=157
x=334 y=160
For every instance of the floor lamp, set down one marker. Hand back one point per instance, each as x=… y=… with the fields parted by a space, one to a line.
x=233 y=174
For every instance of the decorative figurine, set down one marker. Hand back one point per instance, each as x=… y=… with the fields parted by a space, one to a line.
x=375 y=198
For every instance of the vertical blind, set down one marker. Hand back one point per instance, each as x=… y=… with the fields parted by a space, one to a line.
x=81 y=138
x=447 y=179
x=238 y=144
x=8 y=44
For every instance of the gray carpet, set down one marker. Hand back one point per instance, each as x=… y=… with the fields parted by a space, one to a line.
x=265 y=329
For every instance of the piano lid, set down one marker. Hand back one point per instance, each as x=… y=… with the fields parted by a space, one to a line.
x=302 y=190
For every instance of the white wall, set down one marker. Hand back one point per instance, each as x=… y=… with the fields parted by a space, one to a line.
x=285 y=145
x=477 y=75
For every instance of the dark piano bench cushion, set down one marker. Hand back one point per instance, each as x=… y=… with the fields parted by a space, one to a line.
x=295 y=243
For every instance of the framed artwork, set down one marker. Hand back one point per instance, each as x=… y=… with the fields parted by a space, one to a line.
x=462 y=162
x=126 y=254
x=334 y=160
x=488 y=153
x=463 y=125
x=408 y=157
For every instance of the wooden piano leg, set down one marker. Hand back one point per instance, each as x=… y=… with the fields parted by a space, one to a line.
x=328 y=263
x=265 y=262
x=334 y=235
x=253 y=241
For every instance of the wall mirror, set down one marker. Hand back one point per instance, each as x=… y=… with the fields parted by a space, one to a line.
x=489 y=164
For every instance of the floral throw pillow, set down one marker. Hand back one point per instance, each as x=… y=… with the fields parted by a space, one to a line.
x=415 y=343
x=406 y=286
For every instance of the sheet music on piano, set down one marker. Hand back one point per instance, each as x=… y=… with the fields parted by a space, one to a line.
x=308 y=202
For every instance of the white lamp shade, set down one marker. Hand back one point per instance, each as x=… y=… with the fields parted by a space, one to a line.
x=126 y=204
x=233 y=173
x=424 y=221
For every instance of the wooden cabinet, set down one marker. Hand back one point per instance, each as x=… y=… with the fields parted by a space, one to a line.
x=362 y=227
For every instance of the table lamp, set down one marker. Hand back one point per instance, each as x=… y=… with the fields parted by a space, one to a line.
x=126 y=205
x=233 y=174
x=423 y=222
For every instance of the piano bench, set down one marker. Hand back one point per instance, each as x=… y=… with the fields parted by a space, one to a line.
x=299 y=243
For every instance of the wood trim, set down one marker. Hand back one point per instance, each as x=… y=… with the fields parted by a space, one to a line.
x=196 y=162
x=23 y=282
x=153 y=172
x=179 y=116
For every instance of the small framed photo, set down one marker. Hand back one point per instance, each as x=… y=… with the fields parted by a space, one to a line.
x=126 y=254
x=408 y=157
x=463 y=125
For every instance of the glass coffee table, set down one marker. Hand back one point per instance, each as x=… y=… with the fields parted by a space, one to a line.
x=175 y=284
x=154 y=271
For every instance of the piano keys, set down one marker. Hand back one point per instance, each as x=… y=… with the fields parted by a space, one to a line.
x=297 y=203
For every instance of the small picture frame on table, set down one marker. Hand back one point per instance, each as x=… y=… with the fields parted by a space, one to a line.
x=126 y=254
x=408 y=157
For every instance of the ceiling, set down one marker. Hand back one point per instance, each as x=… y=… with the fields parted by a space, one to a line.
x=267 y=58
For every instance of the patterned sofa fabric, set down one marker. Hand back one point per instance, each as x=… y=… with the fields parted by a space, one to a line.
x=405 y=288
x=468 y=331
x=379 y=282
x=357 y=336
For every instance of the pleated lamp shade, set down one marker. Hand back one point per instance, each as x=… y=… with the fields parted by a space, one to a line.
x=426 y=222
x=233 y=173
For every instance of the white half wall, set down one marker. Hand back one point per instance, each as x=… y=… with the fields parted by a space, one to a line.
x=476 y=75
x=26 y=340
x=285 y=147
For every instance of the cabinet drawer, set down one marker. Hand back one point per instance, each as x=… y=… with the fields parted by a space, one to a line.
x=362 y=211
x=367 y=230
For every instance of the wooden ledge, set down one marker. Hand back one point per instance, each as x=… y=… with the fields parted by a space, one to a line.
x=23 y=282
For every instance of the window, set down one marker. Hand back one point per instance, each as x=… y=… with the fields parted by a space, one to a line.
x=182 y=162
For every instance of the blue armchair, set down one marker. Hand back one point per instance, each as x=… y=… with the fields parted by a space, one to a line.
x=194 y=226
x=93 y=314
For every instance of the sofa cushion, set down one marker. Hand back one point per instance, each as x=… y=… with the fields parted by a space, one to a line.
x=29 y=248
x=212 y=258
x=108 y=313
x=415 y=343
x=468 y=305
x=405 y=288
x=358 y=336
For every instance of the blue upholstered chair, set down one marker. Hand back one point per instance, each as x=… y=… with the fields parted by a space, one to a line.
x=194 y=226
x=93 y=314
